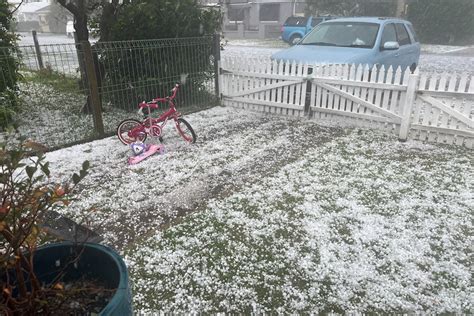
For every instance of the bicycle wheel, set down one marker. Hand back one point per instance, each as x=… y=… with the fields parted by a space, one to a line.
x=130 y=130
x=185 y=130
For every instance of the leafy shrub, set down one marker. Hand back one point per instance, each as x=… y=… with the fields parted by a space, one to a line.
x=8 y=67
x=443 y=21
x=150 y=68
x=350 y=7
x=28 y=196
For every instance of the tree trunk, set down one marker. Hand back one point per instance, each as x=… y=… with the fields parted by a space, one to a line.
x=80 y=25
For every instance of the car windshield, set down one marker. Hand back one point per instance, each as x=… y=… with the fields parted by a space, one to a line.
x=343 y=34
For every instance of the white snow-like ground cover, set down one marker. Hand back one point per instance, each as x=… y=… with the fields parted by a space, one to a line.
x=268 y=213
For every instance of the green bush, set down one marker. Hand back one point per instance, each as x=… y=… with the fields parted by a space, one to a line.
x=152 y=19
x=350 y=7
x=151 y=67
x=8 y=67
x=443 y=21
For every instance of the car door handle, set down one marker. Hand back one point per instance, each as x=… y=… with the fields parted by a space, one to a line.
x=397 y=55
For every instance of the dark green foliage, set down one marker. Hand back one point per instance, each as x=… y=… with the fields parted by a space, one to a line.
x=351 y=7
x=8 y=66
x=152 y=19
x=150 y=68
x=443 y=21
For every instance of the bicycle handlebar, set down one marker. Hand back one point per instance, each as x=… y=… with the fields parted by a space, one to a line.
x=153 y=104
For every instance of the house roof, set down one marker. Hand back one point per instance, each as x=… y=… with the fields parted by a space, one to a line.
x=32 y=7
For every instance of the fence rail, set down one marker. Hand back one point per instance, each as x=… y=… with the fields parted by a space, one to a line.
x=429 y=107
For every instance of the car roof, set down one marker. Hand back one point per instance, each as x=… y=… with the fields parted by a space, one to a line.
x=377 y=20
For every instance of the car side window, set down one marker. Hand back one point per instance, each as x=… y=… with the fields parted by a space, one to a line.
x=402 y=35
x=316 y=21
x=295 y=21
x=389 y=34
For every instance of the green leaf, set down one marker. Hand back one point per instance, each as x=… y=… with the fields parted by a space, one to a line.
x=30 y=171
x=76 y=178
x=85 y=165
x=15 y=156
x=45 y=169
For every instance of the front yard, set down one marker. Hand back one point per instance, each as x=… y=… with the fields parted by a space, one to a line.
x=273 y=214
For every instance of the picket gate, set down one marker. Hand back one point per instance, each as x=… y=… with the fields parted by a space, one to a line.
x=428 y=107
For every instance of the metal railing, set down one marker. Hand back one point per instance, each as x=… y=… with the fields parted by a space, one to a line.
x=141 y=70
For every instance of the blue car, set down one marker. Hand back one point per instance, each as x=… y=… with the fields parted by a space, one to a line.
x=371 y=41
x=296 y=27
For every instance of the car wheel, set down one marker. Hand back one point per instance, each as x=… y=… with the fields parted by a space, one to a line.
x=295 y=39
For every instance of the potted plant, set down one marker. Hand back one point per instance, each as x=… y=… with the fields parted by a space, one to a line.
x=66 y=277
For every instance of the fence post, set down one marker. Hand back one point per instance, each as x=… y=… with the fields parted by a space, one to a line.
x=38 y=50
x=217 y=63
x=408 y=106
x=93 y=88
x=307 y=97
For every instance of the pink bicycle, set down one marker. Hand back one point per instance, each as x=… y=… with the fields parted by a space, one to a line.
x=132 y=130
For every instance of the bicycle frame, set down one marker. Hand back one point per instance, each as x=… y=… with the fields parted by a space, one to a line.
x=152 y=126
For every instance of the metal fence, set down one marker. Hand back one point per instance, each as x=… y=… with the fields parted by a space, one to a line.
x=61 y=58
x=75 y=92
x=140 y=70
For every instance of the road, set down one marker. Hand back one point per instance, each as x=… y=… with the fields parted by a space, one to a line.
x=434 y=58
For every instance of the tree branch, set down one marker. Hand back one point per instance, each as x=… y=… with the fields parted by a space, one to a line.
x=70 y=6
x=11 y=13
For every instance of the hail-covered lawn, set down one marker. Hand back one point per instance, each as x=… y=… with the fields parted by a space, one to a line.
x=273 y=214
x=53 y=118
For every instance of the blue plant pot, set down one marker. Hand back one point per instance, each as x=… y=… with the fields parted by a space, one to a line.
x=96 y=262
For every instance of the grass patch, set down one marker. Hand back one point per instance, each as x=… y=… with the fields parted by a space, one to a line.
x=265 y=276
x=60 y=82
x=351 y=226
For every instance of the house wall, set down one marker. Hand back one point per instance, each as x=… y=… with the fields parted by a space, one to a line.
x=251 y=25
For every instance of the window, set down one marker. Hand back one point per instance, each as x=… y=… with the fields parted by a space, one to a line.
x=299 y=8
x=316 y=21
x=236 y=13
x=270 y=12
x=412 y=30
x=402 y=34
x=343 y=34
x=295 y=21
x=389 y=34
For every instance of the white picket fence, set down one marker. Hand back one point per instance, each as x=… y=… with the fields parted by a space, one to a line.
x=429 y=107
